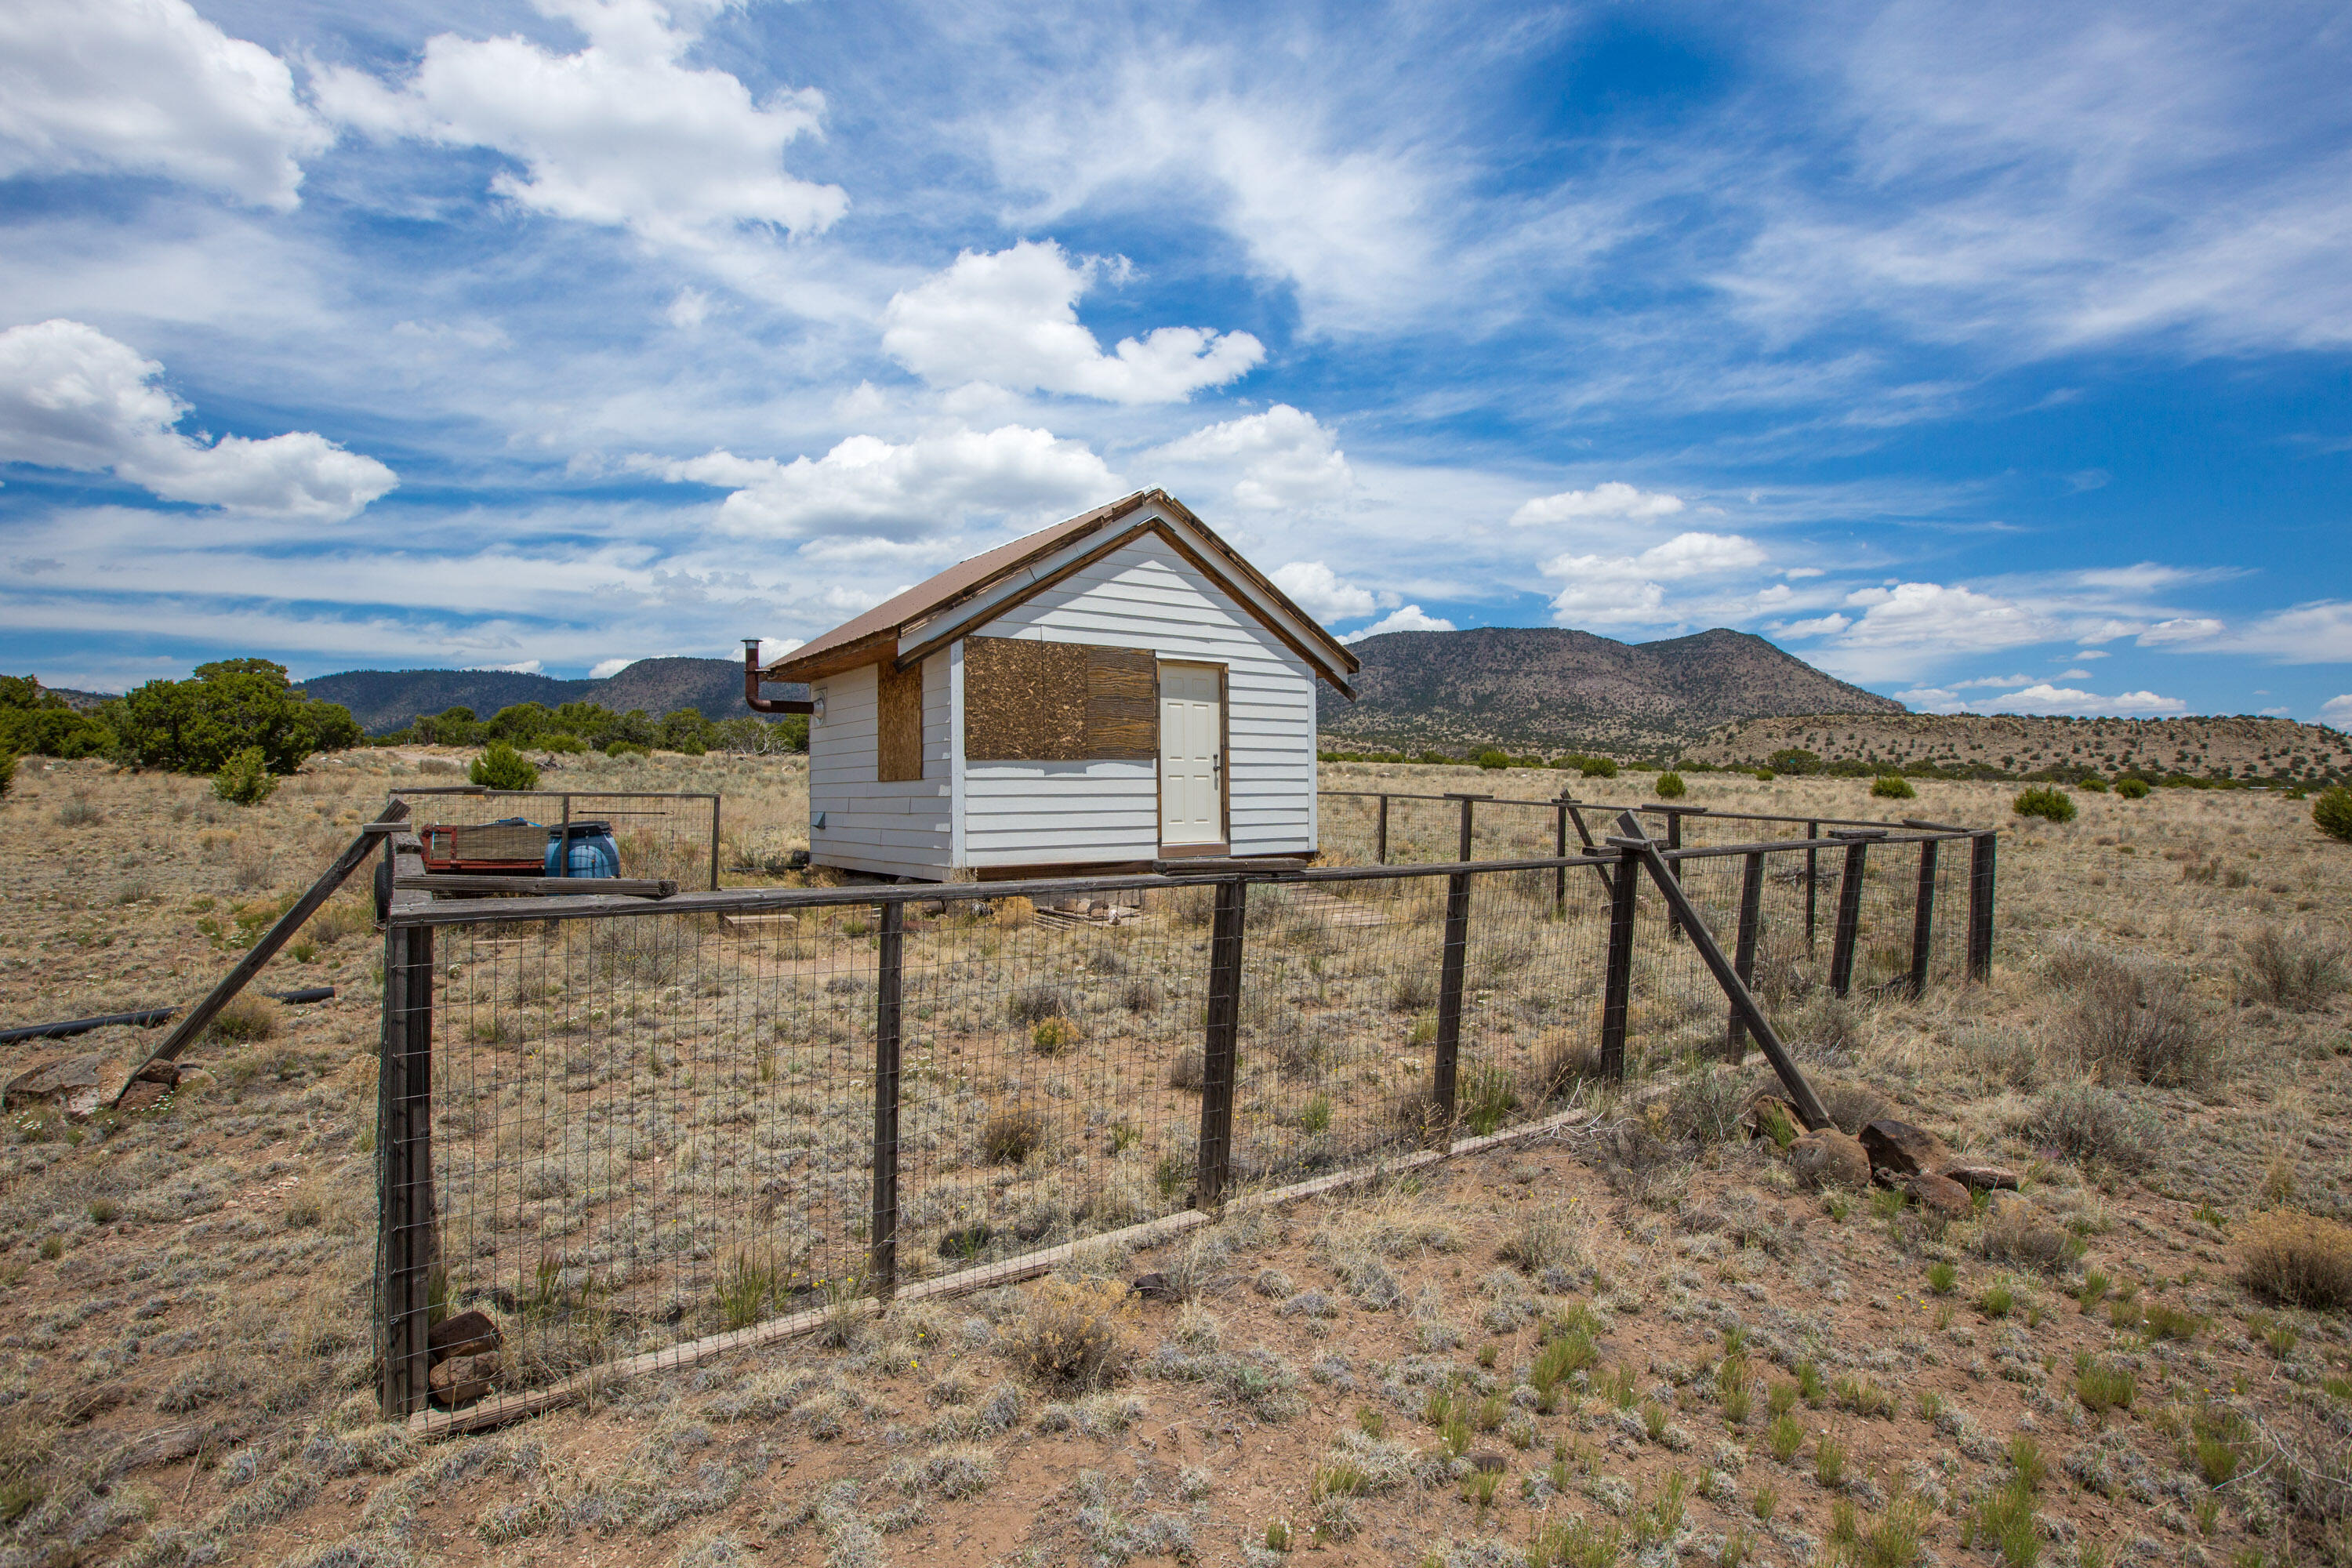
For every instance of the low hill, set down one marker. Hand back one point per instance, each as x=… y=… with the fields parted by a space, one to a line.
x=383 y=699
x=1542 y=686
x=2245 y=747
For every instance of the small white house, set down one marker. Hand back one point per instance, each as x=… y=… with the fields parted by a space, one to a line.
x=1115 y=691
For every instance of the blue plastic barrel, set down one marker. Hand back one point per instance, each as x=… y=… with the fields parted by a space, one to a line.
x=582 y=849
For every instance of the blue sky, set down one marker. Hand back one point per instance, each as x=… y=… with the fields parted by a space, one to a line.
x=1989 y=355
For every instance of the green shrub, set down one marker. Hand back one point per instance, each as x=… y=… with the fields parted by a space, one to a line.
x=500 y=766
x=245 y=779
x=1670 y=786
x=7 y=772
x=197 y=725
x=563 y=744
x=1764 y=775
x=2333 y=812
x=2091 y=784
x=2042 y=800
x=1794 y=760
x=2132 y=789
x=1491 y=759
x=1892 y=786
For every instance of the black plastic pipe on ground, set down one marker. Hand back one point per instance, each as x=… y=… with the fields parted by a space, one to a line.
x=147 y=1018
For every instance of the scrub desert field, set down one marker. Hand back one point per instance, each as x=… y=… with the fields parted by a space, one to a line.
x=1629 y=1330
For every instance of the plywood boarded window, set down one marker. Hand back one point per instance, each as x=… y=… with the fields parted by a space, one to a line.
x=899 y=725
x=1030 y=701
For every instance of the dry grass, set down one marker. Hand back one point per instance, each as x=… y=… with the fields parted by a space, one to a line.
x=2298 y=1258
x=1073 y=1334
x=247 y=1019
x=2293 y=970
x=2086 y=1121
x=2130 y=1019
x=237 y=1261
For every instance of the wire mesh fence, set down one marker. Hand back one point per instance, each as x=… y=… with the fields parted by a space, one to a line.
x=623 y=1130
x=659 y=835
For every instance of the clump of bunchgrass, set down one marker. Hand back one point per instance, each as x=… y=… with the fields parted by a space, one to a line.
x=2290 y=970
x=1073 y=1333
x=246 y=1019
x=2084 y=1121
x=2297 y=1259
x=2133 y=1021
x=1012 y=1136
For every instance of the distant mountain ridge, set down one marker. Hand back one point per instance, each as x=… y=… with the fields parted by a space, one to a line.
x=383 y=699
x=1545 y=686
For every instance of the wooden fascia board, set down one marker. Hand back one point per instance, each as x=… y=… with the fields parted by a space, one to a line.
x=872 y=649
x=1265 y=614
x=980 y=612
x=1343 y=656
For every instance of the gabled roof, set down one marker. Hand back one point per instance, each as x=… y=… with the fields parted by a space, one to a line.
x=911 y=625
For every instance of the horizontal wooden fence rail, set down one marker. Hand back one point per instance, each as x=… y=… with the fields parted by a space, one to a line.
x=619 y=1133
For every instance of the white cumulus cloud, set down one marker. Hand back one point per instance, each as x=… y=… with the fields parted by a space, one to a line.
x=1409 y=618
x=2337 y=711
x=605 y=669
x=1321 y=591
x=1934 y=616
x=1613 y=590
x=2042 y=698
x=1818 y=627
x=1010 y=318
x=1614 y=502
x=148 y=86
x=2182 y=629
x=73 y=397
x=867 y=486
x=621 y=133
x=1287 y=460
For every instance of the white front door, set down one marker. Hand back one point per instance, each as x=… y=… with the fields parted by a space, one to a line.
x=1192 y=759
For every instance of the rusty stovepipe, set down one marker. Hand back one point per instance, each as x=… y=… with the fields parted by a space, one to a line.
x=751 y=698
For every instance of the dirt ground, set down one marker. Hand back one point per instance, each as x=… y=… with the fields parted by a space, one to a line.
x=1661 y=1341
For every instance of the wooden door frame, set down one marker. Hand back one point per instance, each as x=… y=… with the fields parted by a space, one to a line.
x=1224 y=764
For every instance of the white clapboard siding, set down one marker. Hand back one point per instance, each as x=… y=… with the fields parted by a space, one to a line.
x=892 y=829
x=1144 y=594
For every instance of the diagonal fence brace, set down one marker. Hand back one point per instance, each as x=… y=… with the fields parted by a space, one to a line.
x=1629 y=835
x=193 y=1023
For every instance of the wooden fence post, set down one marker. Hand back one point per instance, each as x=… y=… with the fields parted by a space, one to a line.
x=1618 y=978
x=1469 y=803
x=405 y=1218
x=1449 y=986
x=1923 y=919
x=1381 y=843
x=1214 y=1160
x=882 y=1238
x=1813 y=884
x=714 y=843
x=1848 y=916
x=1560 y=848
x=1981 y=892
x=1743 y=963
x=1674 y=841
